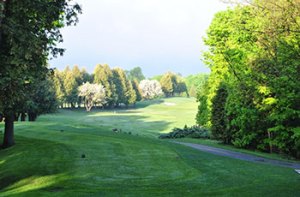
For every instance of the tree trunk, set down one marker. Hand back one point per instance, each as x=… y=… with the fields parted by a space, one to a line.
x=23 y=117
x=32 y=116
x=270 y=142
x=16 y=117
x=9 y=130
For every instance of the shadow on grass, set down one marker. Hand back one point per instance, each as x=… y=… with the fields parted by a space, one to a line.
x=129 y=122
x=138 y=105
x=33 y=165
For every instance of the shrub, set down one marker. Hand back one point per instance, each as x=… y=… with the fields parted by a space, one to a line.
x=192 y=132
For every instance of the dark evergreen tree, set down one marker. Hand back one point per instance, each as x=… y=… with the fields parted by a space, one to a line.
x=218 y=115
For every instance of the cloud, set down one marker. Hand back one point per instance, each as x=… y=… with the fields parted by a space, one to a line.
x=128 y=33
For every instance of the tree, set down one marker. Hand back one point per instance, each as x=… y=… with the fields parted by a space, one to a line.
x=181 y=86
x=138 y=91
x=59 y=87
x=42 y=98
x=29 y=33
x=254 y=50
x=92 y=94
x=120 y=85
x=124 y=90
x=135 y=74
x=130 y=94
x=70 y=86
x=195 y=83
x=86 y=77
x=150 y=89
x=77 y=74
x=218 y=117
x=103 y=75
x=173 y=84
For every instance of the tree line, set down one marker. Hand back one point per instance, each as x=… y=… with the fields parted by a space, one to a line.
x=75 y=87
x=252 y=96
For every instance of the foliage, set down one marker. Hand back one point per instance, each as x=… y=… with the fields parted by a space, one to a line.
x=124 y=90
x=138 y=91
x=195 y=83
x=135 y=74
x=59 y=87
x=120 y=85
x=103 y=75
x=92 y=94
x=254 y=50
x=172 y=84
x=70 y=83
x=150 y=89
x=168 y=84
x=218 y=115
x=29 y=33
x=192 y=132
x=156 y=77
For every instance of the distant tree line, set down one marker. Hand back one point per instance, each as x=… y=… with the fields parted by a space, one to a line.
x=76 y=88
x=252 y=96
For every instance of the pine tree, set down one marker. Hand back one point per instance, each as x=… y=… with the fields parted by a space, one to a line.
x=103 y=75
x=138 y=91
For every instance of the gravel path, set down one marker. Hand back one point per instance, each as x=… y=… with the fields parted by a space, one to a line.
x=241 y=156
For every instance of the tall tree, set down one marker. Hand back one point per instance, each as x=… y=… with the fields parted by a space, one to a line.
x=103 y=75
x=120 y=85
x=125 y=92
x=254 y=50
x=70 y=86
x=138 y=91
x=130 y=93
x=135 y=73
x=29 y=33
x=169 y=84
x=59 y=87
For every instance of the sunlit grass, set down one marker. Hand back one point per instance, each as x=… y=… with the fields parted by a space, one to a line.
x=75 y=153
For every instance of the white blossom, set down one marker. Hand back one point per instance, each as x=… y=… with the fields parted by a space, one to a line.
x=150 y=89
x=92 y=94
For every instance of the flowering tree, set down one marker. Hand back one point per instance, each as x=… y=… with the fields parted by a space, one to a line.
x=150 y=89
x=92 y=94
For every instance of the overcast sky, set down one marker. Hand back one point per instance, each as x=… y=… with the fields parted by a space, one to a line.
x=157 y=35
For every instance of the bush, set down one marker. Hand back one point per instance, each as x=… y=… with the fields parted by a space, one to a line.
x=192 y=132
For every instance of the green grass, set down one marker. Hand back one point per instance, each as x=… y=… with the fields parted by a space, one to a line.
x=47 y=159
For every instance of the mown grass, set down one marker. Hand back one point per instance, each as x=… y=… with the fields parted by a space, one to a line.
x=48 y=158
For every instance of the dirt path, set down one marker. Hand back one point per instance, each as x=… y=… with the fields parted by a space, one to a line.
x=241 y=156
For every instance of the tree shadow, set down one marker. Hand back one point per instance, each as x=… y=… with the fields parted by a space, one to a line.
x=138 y=105
x=130 y=121
x=29 y=166
x=146 y=103
x=51 y=161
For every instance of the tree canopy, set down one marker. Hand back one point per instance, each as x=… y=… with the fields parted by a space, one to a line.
x=254 y=56
x=29 y=33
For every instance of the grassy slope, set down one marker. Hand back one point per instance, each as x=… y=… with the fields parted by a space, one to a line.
x=47 y=158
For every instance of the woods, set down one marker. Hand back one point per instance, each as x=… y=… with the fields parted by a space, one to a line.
x=252 y=96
